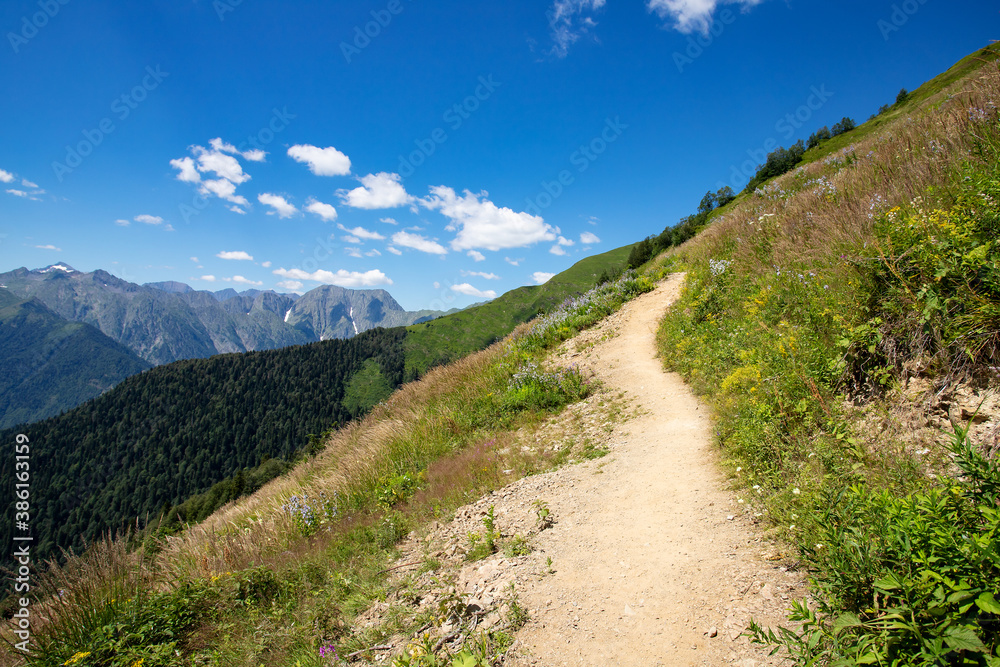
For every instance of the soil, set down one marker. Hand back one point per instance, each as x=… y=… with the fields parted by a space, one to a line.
x=649 y=559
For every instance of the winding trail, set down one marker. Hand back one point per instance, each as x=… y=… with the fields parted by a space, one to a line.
x=655 y=563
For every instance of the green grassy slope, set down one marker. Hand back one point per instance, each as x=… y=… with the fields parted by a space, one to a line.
x=454 y=336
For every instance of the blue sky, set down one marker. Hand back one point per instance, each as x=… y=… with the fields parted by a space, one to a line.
x=445 y=151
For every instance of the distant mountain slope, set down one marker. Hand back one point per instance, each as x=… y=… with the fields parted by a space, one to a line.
x=168 y=321
x=49 y=365
x=177 y=429
x=458 y=334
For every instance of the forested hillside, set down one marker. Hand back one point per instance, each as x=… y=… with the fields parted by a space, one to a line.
x=176 y=430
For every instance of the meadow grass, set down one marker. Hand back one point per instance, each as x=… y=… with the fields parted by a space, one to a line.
x=807 y=301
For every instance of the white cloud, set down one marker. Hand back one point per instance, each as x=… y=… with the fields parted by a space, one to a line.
x=589 y=238
x=28 y=184
x=469 y=290
x=540 y=277
x=569 y=20
x=350 y=239
x=238 y=209
x=322 y=161
x=293 y=285
x=17 y=193
x=513 y=262
x=246 y=281
x=278 y=203
x=381 y=190
x=252 y=155
x=482 y=224
x=373 y=253
x=363 y=233
x=353 y=252
x=121 y=222
x=476 y=255
x=208 y=279
x=342 y=278
x=693 y=15
x=188 y=172
x=394 y=251
x=325 y=211
x=481 y=274
x=437 y=285
x=266 y=265
x=388 y=221
x=222 y=165
x=148 y=219
x=557 y=250
x=224 y=189
x=194 y=259
x=565 y=241
x=6 y=176
x=418 y=242
x=48 y=247
x=235 y=254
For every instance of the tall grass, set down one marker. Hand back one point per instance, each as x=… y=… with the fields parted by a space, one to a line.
x=821 y=291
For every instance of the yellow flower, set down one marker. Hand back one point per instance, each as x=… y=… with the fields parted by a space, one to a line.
x=77 y=657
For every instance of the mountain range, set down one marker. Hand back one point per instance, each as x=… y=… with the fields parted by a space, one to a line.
x=53 y=366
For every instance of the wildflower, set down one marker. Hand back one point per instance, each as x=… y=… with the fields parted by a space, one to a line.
x=77 y=657
x=791 y=527
x=796 y=491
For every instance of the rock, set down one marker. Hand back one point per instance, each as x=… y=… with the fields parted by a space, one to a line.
x=713 y=632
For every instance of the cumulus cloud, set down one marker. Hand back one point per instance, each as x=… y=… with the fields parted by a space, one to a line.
x=381 y=190
x=362 y=233
x=266 y=265
x=388 y=221
x=350 y=239
x=246 y=281
x=48 y=247
x=353 y=252
x=469 y=290
x=394 y=251
x=693 y=15
x=219 y=161
x=188 y=170
x=279 y=204
x=482 y=224
x=293 y=285
x=6 y=176
x=562 y=240
x=418 y=242
x=481 y=274
x=148 y=219
x=557 y=250
x=255 y=155
x=321 y=161
x=476 y=255
x=513 y=262
x=569 y=20
x=121 y=222
x=208 y=279
x=17 y=193
x=540 y=277
x=325 y=211
x=589 y=238
x=235 y=254
x=342 y=278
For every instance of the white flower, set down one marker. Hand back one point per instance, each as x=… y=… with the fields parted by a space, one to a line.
x=796 y=491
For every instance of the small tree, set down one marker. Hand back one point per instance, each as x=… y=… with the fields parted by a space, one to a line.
x=724 y=195
x=819 y=136
x=707 y=203
x=902 y=96
x=846 y=124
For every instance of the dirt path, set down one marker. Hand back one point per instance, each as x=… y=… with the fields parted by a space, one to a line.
x=650 y=555
x=650 y=561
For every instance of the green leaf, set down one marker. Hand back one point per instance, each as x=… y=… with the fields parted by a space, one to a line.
x=846 y=620
x=988 y=603
x=465 y=659
x=964 y=639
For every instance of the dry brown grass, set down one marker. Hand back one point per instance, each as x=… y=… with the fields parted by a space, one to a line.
x=892 y=168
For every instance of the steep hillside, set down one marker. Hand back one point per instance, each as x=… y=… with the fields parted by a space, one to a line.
x=160 y=437
x=452 y=337
x=50 y=365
